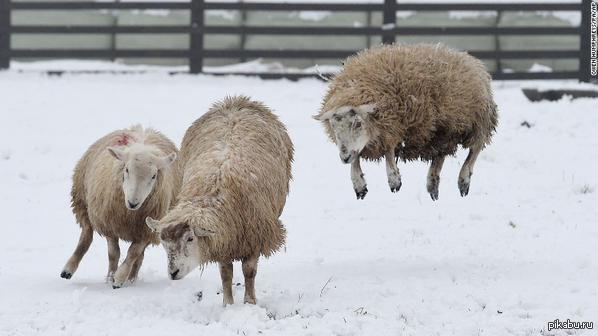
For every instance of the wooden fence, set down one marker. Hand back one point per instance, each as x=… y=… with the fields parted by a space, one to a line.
x=197 y=28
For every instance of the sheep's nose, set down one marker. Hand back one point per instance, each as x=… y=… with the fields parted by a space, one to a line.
x=133 y=205
x=174 y=274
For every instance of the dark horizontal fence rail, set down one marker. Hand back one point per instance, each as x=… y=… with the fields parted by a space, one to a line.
x=289 y=30
x=197 y=28
x=357 y=7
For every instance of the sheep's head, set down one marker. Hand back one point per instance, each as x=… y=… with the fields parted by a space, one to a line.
x=140 y=169
x=181 y=243
x=351 y=128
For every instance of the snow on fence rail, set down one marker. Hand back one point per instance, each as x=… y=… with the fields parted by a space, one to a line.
x=197 y=28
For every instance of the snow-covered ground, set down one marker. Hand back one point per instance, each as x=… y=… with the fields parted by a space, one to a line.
x=519 y=251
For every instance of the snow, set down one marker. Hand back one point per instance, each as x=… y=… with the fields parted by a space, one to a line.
x=519 y=251
x=536 y=67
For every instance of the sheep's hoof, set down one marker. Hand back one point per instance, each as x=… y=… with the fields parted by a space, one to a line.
x=396 y=188
x=433 y=190
x=394 y=181
x=361 y=193
x=66 y=275
x=117 y=284
x=109 y=277
x=250 y=301
x=463 y=187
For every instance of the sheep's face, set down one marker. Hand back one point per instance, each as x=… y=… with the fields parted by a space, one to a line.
x=182 y=245
x=350 y=127
x=140 y=169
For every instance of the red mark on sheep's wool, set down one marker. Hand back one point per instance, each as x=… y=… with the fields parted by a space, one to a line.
x=123 y=140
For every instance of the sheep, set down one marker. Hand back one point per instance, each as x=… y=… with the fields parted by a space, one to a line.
x=236 y=167
x=121 y=179
x=410 y=102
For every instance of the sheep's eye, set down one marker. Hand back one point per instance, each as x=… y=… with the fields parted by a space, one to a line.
x=337 y=118
x=190 y=239
x=154 y=177
x=357 y=124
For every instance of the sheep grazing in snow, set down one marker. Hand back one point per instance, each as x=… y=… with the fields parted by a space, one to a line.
x=410 y=102
x=236 y=167
x=122 y=178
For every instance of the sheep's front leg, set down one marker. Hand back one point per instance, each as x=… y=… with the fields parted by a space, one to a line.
x=359 y=184
x=249 y=271
x=392 y=171
x=113 y=257
x=226 y=274
x=122 y=273
x=72 y=264
x=434 y=177
x=467 y=169
x=136 y=266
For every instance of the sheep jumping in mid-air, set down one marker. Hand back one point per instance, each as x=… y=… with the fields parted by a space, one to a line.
x=236 y=167
x=409 y=102
x=122 y=178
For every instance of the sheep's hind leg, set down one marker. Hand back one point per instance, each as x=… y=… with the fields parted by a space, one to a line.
x=359 y=184
x=136 y=266
x=72 y=264
x=434 y=177
x=113 y=257
x=249 y=271
x=392 y=171
x=122 y=273
x=467 y=170
x=226 y=274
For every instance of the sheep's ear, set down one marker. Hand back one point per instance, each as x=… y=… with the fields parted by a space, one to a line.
x=153 y=224
x=167 y=160
x=118 y=154
x=324 y=116
x=367 y=108
x=201 y=232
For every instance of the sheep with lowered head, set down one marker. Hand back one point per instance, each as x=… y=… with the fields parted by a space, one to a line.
x=122 y=178
x=410 y=102
x=236 y=167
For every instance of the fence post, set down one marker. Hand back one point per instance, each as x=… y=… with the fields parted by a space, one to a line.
x=4 y=34
x=196 y=37
x=389 y=21
x=588 y=41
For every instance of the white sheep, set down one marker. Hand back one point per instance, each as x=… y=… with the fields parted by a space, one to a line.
x=122 y=178
x=236 y=167
x=409 y=102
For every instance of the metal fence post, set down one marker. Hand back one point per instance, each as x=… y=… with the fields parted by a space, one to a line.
x=587 y=56
x=4 y=34
x=196 y=37
x=389 y=21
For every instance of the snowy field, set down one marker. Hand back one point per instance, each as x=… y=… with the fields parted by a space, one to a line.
x=519 y=251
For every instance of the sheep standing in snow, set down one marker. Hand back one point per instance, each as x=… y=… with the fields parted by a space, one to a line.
x=122 y=178
x=409 y=102
x=236 y=167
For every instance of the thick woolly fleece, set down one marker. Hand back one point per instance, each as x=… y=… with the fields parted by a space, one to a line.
x=429 y=99
x=236 y=162
x=97 y=195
